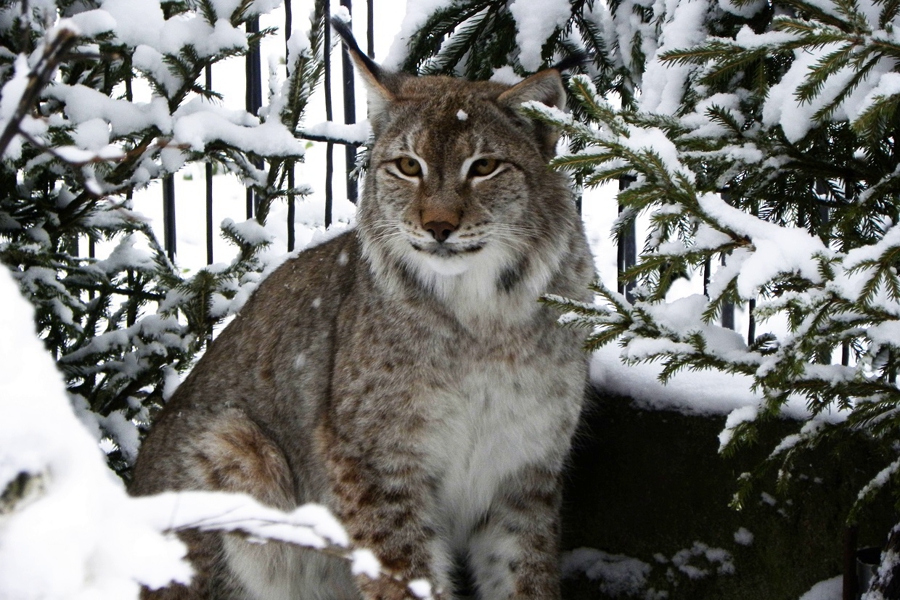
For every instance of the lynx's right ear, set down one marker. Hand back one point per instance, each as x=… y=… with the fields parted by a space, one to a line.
x=374 y=76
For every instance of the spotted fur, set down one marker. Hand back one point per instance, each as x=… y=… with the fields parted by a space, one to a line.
x=404 y=373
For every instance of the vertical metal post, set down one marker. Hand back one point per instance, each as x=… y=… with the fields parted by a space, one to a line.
x=253 y=97
x=727 y=307
x=370 y=28
x=751 y=325
x=707 y=275
x=291 y=234
x=727 y=311
x=349 y=111
x=329 y=116
x=751 y=305
x=627 y=250
x=209 y=190
x=169 y=215
x=849 y=583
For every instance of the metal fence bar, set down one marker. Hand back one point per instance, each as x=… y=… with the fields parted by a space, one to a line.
x=727 y=316
x=349 y=111
x=627 y=249
x=253 y=97
x=169 y=231
x=751 y=322
x=329 y=116
x=292 y=209
x=209 y=191
x=370 y=28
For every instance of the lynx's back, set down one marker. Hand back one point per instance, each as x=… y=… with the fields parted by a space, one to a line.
x=404 y=373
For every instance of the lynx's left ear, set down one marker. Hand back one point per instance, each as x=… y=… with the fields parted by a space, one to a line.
x=377 y=79
x=545 y=87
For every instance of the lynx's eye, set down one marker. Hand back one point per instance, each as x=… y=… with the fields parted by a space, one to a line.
x=483 y=167
x=409 y=166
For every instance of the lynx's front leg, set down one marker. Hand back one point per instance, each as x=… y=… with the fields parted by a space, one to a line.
x=513 y=550
x=381 y=498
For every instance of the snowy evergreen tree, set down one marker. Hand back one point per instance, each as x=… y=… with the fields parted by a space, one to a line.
x=76 y=145
x=760 y=138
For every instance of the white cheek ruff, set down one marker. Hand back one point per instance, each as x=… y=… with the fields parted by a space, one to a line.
x=470 y=284
x=448 y=266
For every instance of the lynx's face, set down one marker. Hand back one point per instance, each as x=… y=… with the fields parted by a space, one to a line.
x=452 y=186
x=458 y=194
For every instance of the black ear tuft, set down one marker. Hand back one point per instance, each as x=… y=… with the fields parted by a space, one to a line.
x=376 y=79
x=577 y=59
x=367 y=64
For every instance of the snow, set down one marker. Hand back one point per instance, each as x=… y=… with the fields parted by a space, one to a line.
x=889 y=563
x=75 y=535
x=250 y=230
x=880 y=479
x=742 y=9
x=124 y=434
x=143 y=24
x=830 y=589
x=271 y=138
x=796 y=119
x=506 y=75
x=778 y=249
x=85 y=104
x=716 y=558
x=91 y=23
x=664 y=84
x=416 y=14
x=743 y=537
x=136 y=23
x=536 y=20
x=615 y=573
x=9 y=102
x=85 y=517
x=624 y=576
x=355 y=133
x=707 y=392
x=420 y=587
x=92 y=134
x=655 y=140
x=126 y=256
x=364 y=562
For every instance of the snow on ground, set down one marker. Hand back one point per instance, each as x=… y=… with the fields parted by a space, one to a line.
x=618 y=575
x=830 y=589
x=615 y=574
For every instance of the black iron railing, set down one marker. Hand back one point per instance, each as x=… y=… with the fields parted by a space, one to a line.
x=627 y=244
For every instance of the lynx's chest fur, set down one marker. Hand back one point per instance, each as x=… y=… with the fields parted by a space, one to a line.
x=485 y=430
x=404 y=374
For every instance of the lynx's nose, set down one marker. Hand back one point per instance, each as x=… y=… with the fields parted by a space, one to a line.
x=440 y=221
x=440 y=230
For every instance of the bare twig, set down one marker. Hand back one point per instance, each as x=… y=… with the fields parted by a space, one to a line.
x=38 y=79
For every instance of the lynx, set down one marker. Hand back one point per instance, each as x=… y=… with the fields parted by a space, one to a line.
x=404 y=373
